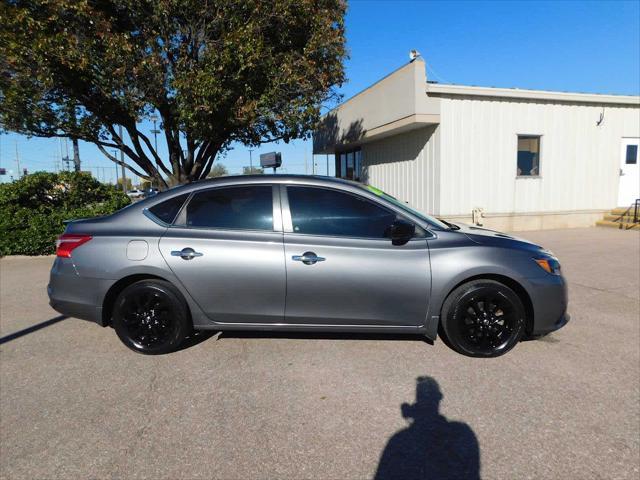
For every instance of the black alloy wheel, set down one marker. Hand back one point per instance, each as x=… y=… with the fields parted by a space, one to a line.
x=483 y=318
x=151 y=317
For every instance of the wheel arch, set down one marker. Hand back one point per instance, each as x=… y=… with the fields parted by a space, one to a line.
x=514 y=285
x=119 y=286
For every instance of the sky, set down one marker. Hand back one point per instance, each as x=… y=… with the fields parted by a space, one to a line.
x=575 y=46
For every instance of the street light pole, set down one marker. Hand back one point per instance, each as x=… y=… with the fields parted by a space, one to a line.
x=250 y=162
x=155 y=131
x=124 y=175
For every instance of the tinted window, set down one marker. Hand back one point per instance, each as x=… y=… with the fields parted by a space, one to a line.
x=238 y=208
x=167 y=211
x=319 y=211
x=632 y=155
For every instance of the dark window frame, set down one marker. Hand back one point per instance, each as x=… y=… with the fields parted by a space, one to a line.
x=275 y=228
x=421 y=233
x=530 y=136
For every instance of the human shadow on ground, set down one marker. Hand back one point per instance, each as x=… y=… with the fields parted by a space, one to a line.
x=431 y=447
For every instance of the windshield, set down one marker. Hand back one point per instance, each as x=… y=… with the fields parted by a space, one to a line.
x=407 y=208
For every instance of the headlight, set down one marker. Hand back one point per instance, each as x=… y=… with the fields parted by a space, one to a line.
x=549 y=264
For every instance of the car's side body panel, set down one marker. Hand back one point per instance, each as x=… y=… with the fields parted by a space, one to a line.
x=359 y=282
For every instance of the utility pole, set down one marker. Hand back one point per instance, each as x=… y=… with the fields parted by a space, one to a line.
x=155 y=131
x=76 y=154
x=124 y=175
x=18 y=159
x=115 y=154
x=250 y=162
x=327 y=164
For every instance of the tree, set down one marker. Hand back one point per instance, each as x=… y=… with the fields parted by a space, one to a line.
x=215 y=72
x=252 y=171
x=129 y=185
x=218 y=170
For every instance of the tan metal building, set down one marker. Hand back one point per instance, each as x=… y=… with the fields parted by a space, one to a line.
x=510 y=159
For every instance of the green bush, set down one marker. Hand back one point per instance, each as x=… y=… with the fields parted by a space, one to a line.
x=33 y=209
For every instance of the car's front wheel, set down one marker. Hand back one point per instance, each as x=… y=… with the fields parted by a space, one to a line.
x=483 y=318
x=151 y=317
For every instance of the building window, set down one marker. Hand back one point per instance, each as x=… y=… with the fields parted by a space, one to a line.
x=528 y=155
x=349 y=165
x=632 y=155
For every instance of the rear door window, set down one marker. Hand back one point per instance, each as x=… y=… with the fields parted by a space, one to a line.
x=235 y=208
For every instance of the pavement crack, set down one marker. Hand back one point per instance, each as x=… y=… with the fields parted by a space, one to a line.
x=603 y=290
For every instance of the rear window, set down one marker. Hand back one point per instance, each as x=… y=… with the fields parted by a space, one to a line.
x=235 y=208
x=167 y=210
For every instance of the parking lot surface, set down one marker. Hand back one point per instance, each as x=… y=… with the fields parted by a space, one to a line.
x=74 y=402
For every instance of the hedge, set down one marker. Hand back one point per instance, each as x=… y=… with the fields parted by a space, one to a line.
x=33 y=208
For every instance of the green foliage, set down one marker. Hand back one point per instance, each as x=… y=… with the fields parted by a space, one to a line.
x=218 y=170
x=215 y=72
x=32 y=209
x=252 y=171
x=128 y=187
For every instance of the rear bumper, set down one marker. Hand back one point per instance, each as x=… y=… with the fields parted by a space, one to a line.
x=72 y=295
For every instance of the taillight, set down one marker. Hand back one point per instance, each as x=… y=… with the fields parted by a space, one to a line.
x=67 y=242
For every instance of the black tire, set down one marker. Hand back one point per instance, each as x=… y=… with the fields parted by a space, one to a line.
x=482 y=318
x=151 y=317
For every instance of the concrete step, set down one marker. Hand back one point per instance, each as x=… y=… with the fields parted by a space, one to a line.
x=622 y=210
x=621 y=226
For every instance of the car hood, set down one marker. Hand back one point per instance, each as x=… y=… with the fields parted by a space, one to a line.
x=484 y=236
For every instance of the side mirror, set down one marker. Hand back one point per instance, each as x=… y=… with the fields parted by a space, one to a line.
x=401 y=232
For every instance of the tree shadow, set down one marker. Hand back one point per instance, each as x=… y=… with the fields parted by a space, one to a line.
x=329 y=135
x=431 y=447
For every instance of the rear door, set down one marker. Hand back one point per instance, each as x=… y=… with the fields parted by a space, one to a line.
x=341 y=267
x=226 y=248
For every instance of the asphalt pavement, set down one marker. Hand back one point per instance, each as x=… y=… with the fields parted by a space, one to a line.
x=75 y=403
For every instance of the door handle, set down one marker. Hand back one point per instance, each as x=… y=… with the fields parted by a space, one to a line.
x=308 y=258
x=186 y=253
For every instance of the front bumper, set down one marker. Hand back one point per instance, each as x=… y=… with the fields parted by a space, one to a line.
x=550 y=300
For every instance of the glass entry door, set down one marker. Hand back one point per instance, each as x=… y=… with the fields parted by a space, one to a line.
x=349 y=165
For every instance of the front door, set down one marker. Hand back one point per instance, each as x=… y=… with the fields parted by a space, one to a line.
x=629 y=189
x=343 y=270
x=227 y=251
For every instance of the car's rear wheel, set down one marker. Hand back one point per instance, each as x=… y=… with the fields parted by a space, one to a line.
x=483 y=318
x=151 y=317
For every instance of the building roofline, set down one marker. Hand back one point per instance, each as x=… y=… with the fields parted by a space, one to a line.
x=373 y=85
x=449 y=89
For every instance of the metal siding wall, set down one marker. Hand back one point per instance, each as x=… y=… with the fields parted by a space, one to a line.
x=578 y=162
x=406 y=166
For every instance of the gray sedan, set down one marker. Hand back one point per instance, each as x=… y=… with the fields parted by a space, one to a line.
x=301 y=253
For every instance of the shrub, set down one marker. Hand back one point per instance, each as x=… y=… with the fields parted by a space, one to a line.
x=33 y=209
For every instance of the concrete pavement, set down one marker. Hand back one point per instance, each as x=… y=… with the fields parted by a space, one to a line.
x=74 y=402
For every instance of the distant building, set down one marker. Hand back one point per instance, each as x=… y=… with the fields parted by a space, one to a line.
x=527 y=159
